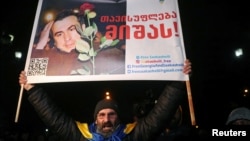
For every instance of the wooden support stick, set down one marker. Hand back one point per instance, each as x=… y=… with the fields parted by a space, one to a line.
x=190 y=102
x=19 y=104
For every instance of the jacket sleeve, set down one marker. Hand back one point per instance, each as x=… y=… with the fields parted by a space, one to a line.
x=52 y=115
x=163 y=111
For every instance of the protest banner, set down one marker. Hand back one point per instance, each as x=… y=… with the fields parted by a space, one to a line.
x=110 y=40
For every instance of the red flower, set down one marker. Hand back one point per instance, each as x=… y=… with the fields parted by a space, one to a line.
x=86 y=6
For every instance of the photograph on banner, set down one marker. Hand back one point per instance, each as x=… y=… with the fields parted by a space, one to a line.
x=91 y=40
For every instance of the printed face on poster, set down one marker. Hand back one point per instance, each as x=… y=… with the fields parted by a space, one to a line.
x=96 y=40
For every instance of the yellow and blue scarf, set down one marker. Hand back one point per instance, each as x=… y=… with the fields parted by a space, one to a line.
x=89 y=132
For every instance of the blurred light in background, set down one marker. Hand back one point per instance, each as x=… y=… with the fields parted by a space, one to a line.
x=18 y=54
x=238 y=52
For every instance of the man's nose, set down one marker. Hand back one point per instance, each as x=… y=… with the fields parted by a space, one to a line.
x=106 y=118
x=67 y=36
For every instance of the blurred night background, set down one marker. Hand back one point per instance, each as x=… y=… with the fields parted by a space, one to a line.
x=217 y=41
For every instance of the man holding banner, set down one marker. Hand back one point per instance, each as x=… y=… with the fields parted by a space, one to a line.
x=154 y=50
x=107 y=125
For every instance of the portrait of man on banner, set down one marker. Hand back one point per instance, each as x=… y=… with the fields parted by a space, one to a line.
x=70 y=41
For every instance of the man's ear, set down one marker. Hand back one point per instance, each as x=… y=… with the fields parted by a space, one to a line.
x=83 y=27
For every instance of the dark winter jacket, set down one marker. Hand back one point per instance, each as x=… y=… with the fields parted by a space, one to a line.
x=144 y=129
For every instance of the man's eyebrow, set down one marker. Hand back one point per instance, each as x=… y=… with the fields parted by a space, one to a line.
x=58 y=32
x=107 y=113
x=71 y=26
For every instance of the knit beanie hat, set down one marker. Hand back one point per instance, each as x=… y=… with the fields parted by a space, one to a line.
x=238 y=113
x=106 y=103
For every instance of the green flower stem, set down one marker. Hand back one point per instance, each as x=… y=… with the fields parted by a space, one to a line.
x=92 y=46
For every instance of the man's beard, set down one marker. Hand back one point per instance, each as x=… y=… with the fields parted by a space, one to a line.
x=106 y=133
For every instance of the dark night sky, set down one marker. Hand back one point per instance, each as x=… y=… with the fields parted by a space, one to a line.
x=212 y=31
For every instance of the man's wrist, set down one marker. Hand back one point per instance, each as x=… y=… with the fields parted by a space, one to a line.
x=28 y=87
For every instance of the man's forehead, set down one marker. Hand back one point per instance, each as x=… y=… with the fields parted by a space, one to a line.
x=65 y=23
x=107 y=110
